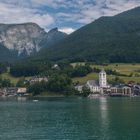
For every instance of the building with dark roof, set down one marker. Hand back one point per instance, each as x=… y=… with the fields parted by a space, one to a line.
x=93 y=85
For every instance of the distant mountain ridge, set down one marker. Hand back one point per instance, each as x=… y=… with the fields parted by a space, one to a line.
x=26 y=39
x=52 y=37
x=107 y=39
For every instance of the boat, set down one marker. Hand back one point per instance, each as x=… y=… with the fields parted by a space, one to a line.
x=35 y=100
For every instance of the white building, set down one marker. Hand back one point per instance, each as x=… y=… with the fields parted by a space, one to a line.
x=55 y=66
x=79 y=88
x=102 y=79
x=96 y=86
x=38 y=79
x=93 y=85
x=21 y=90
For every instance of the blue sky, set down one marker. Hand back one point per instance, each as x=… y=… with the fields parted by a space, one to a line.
x=67 y=15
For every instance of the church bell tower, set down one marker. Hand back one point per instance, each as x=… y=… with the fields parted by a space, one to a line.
x=102 y=79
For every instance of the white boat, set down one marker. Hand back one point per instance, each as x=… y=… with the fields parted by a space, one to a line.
x=35 y=100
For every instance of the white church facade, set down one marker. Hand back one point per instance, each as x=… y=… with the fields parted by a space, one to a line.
x=101 y=86
x=98 y=86
x=93 y=85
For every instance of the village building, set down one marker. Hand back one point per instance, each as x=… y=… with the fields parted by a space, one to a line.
x=98 y=87
x=10 y=91
x=121 y=91
x=79 y=88
x=102 y=87
x=55 y=66
x=136 y=89
x=38 y=79
x=93 y=85
x=2 y=92
x=21 y=91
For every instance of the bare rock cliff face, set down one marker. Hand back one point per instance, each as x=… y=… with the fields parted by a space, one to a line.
x=22 y=38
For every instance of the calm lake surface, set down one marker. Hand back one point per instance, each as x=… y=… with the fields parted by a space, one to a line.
x=71 y=119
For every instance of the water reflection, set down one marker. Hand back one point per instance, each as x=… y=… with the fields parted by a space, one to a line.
x=104 y=117
x=73 y=119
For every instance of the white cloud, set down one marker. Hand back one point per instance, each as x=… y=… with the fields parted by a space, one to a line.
x=63 y=13
x=86 y=11
x=14 y=14
x=51 y=3
x=67 y=30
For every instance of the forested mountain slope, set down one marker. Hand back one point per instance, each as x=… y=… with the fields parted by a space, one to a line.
x=108 y=39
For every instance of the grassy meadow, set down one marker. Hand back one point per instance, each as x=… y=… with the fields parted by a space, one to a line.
x=127 y=69
x=14 y=80
x=121 y=68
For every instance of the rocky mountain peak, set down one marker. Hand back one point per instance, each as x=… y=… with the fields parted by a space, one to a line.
x=53 y=30
x=54 y=36
x=26 y=38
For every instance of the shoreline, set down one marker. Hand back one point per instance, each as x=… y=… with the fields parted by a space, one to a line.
x=56 y=95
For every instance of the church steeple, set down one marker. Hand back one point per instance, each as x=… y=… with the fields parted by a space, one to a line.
x=102 y=79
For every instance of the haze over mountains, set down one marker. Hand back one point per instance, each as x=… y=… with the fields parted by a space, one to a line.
x=108 y=39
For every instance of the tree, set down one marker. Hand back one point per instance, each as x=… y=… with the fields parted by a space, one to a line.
x=80 y=71
x=21 y=83
x=59 y=83
x=116 y=81
x=29 y=68
x=5 y=83
x=3 y=68
x=37 y=88
x=85 y=91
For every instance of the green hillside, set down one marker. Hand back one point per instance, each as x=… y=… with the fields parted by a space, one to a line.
x=108 y=39
x=127 y=69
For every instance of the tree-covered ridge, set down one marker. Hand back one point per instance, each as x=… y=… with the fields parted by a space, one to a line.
x=108 y=39
x=7 y=55
x=59 y=76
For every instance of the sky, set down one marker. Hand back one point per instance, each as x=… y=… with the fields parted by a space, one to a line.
x=67 y=15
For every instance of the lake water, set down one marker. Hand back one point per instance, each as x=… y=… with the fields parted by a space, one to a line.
x=71 y=119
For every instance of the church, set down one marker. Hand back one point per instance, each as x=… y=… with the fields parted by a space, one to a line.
x=98 y=86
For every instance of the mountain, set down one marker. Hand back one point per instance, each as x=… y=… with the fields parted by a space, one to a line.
x=20 y=40
x=52 y=37
x=107 y=39
x=23 y=38
x=6 y=54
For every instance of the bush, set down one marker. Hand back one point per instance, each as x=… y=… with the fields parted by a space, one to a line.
x=80 y=71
